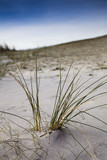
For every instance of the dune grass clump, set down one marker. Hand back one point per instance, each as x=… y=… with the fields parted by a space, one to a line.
x=31 y=96
x=69 y=99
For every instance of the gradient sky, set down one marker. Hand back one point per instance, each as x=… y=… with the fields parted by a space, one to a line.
x=32 y=23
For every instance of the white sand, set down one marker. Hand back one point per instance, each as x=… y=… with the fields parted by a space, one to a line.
x=60 y=144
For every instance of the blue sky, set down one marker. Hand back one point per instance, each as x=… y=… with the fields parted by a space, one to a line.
x=32 y=23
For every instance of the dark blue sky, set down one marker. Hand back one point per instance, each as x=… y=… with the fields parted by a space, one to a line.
x=29 y=23
x=38 y=11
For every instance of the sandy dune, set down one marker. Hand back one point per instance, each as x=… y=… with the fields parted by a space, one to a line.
x=68 y=143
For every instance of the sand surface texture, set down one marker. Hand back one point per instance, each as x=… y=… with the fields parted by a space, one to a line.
x=74 y=141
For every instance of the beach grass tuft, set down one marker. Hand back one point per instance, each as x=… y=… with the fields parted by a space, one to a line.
x=29 y=91
x=69 y=99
